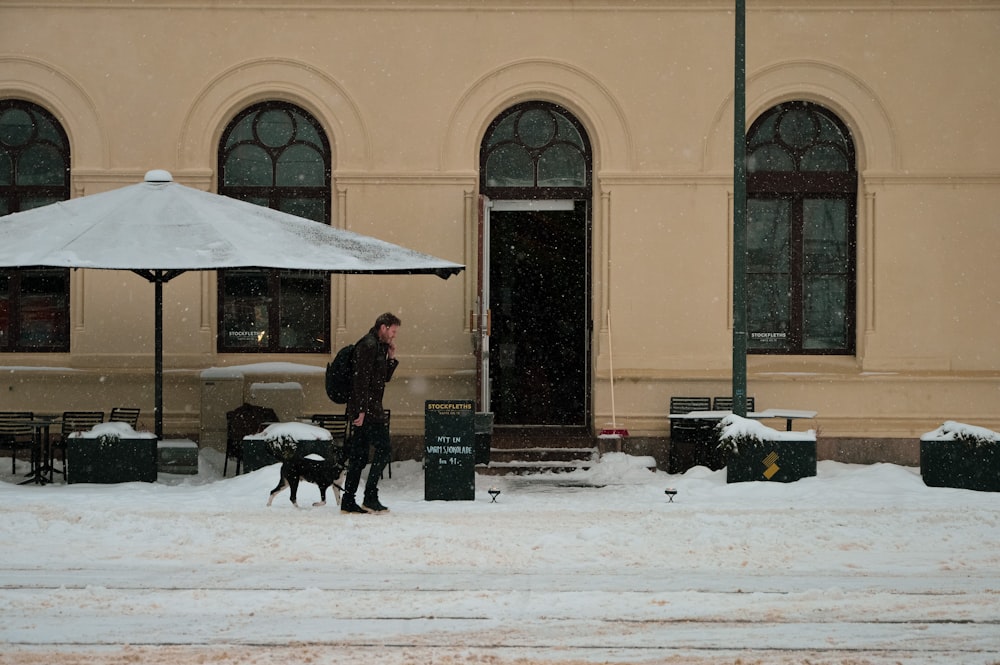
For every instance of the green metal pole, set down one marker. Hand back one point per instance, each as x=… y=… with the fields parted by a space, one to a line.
x=740 y=217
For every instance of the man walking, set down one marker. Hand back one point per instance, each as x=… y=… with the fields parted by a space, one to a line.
x=374 y=363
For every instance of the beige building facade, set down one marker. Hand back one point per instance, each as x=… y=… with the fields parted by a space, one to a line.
x=577 y=157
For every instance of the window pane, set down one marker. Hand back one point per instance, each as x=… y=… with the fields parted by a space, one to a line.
x=248 y=166
x=562 y=166
x=768 y=311
x=763 y=131
x=536 y=128
x=831 y=133
x=314 y=209
x=241 y=131
x=504 y=131
x=48 y=132
x=510 y=166
x=250 y=198
x=306 y=133
x=824 y=158
x=770 y=158
x=6 y=169
x=303 y=307
x=825 y=315
x=275 y=128
x=44 y=308
x=40 y=164
x=768 y=235
x=568 y=132
x=798 y=128
x=32 y=202
x=300 y=166
x=16 y=127
x=824 y=236
x=246 y=309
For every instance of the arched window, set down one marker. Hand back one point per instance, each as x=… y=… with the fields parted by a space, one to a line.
x=34 y=171
x=275 y=155
x=801 y=226
x=535 y=150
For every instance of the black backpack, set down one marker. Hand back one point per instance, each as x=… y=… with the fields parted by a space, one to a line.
x=340 y=375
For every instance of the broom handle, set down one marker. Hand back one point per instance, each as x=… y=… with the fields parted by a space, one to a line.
x=611 y=368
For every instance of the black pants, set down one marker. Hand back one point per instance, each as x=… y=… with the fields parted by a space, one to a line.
x=369 y=434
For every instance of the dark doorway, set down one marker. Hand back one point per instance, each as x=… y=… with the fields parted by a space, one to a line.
x=534 y=282
x=540 y=320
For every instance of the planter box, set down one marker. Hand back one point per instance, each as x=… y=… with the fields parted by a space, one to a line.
x=782 y=461
x=178 y=456
x=97 y=460
x=960 y=464
x=256 y=454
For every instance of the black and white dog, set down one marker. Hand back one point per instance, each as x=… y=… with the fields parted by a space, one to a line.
x=323 y=473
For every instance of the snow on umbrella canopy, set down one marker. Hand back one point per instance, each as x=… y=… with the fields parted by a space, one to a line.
x=160 y=229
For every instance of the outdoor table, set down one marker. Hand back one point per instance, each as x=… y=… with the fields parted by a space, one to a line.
x=40 y=444
x=788 y=414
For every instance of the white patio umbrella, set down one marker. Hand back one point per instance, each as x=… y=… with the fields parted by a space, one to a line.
x=160 y=229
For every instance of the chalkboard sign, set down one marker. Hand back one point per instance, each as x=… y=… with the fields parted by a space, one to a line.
x=449 y=450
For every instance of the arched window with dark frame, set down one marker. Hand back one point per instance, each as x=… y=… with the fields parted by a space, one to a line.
x=801 y=232
x=535 y=150
x=34 y=171
x=276 y=155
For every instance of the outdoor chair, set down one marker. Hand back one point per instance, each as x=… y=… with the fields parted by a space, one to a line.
x=241 y=422
x=338 y=427
x=683 y=429
x=72 y=421
x=690 y=439
x=334 y=423
x=726 y=404
x=15 y=436
x=125 y=414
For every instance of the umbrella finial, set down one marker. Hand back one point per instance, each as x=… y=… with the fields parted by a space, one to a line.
x=158 y=175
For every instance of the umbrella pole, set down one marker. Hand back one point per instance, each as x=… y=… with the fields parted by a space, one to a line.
x=158 y=278
x=158 y=358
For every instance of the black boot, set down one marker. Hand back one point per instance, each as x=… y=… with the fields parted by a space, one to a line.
x=348 y=504
x=372 y=504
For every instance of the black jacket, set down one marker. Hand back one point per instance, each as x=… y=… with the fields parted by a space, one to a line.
x=372 y=370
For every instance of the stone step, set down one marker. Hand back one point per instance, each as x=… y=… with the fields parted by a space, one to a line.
x=533 y=450
x=523 y=461
x=542 y=454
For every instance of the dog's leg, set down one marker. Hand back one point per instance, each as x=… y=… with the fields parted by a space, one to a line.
x=322 y=495
x=282 y=484
x=293 y=484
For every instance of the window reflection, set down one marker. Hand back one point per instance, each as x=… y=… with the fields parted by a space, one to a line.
x=34 y=171
x=802 y=191
x=275 y=155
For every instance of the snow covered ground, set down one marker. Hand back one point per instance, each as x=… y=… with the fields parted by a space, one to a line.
x=862 y=564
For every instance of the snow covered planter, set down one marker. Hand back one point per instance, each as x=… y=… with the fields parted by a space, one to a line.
x=754 y=451
x=111 y=453
x=962 y=456
x=282 y=441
